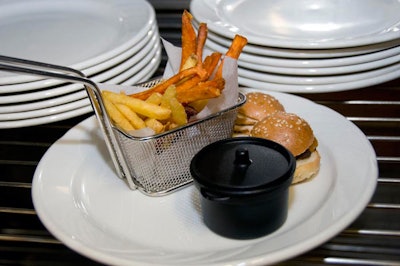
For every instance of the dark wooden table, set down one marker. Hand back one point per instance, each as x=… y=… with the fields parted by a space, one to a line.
x=372 y=239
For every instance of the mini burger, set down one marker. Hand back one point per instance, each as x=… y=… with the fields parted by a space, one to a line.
x=296 y=135
x=257 y=107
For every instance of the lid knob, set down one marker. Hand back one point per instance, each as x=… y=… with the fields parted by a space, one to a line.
x=242 y=158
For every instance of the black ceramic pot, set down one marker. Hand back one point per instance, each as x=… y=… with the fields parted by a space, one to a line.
x=244 y=186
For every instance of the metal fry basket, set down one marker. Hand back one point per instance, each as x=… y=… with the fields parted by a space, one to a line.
x=156 y=165
x=159 y=164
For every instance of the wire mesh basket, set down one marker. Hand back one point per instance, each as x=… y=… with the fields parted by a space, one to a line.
x=160 y=164
x=156 y=165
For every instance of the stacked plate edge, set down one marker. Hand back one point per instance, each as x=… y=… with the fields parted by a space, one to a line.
x=307 y=46
x=110 y=42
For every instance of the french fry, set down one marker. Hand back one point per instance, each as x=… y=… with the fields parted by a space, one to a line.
x=168 y=104
x=155 y=98
x=178 y=116
x=116 y=116
x=154 y=124
x=161 y=87
x=191 y=61
x=204 y=90
x=201 y=40
x=178 y=113
x=235 y=49
x=132 y=117
x=139 y=106
x=199 y=105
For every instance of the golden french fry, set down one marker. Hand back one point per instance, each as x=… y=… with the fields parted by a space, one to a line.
x=139 y=106
x=169 y=93
x=178 y=116
x=199 y=104
x=155 y=98
x=133 y=118
x=115 y=115
x=154 y=124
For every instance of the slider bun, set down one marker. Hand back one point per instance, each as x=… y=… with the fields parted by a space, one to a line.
x=287 y=129
x=306 y=168
x=258 y=106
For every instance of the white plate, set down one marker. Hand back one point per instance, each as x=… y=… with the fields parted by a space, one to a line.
x=304 y=53
x=317 y=80
x=46 y=103
x=62 y=108
x=94 y=212
x=302 y=24
x=138 y=73
x=321 y=71
x=138 y=49
x=308 y=63
x=103 y=76
x=319 y=88
x=147 y=72
x=149 y=62
x=46 y=119
x=83 y=33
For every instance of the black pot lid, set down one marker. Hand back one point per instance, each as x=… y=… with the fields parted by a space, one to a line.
x=242 y=165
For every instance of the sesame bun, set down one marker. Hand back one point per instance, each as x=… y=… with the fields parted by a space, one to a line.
x=258 y=106
x=287 y=129
x=295 y=134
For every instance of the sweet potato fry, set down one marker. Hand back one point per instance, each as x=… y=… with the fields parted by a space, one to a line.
x=188 y=38
x=201 y=40
x=191 y=61
x=204 y=90
x=234 y=51
x=161 y=87
x=237 y=45
x=209 y=65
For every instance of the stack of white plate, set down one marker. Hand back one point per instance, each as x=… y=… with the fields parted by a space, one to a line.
x=114 y=42
x=307 y=46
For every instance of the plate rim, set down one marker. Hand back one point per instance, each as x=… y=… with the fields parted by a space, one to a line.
x=340 y=43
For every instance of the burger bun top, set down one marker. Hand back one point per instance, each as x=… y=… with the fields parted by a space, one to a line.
x=259 y=105
x=287 y=129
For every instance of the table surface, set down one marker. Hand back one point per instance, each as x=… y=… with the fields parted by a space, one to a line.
x=372 y=239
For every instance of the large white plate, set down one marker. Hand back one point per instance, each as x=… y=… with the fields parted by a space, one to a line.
x=83 y=33
x=302 y=24
x=80 y=200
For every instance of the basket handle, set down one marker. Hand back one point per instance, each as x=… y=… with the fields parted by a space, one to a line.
x=23 y=66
